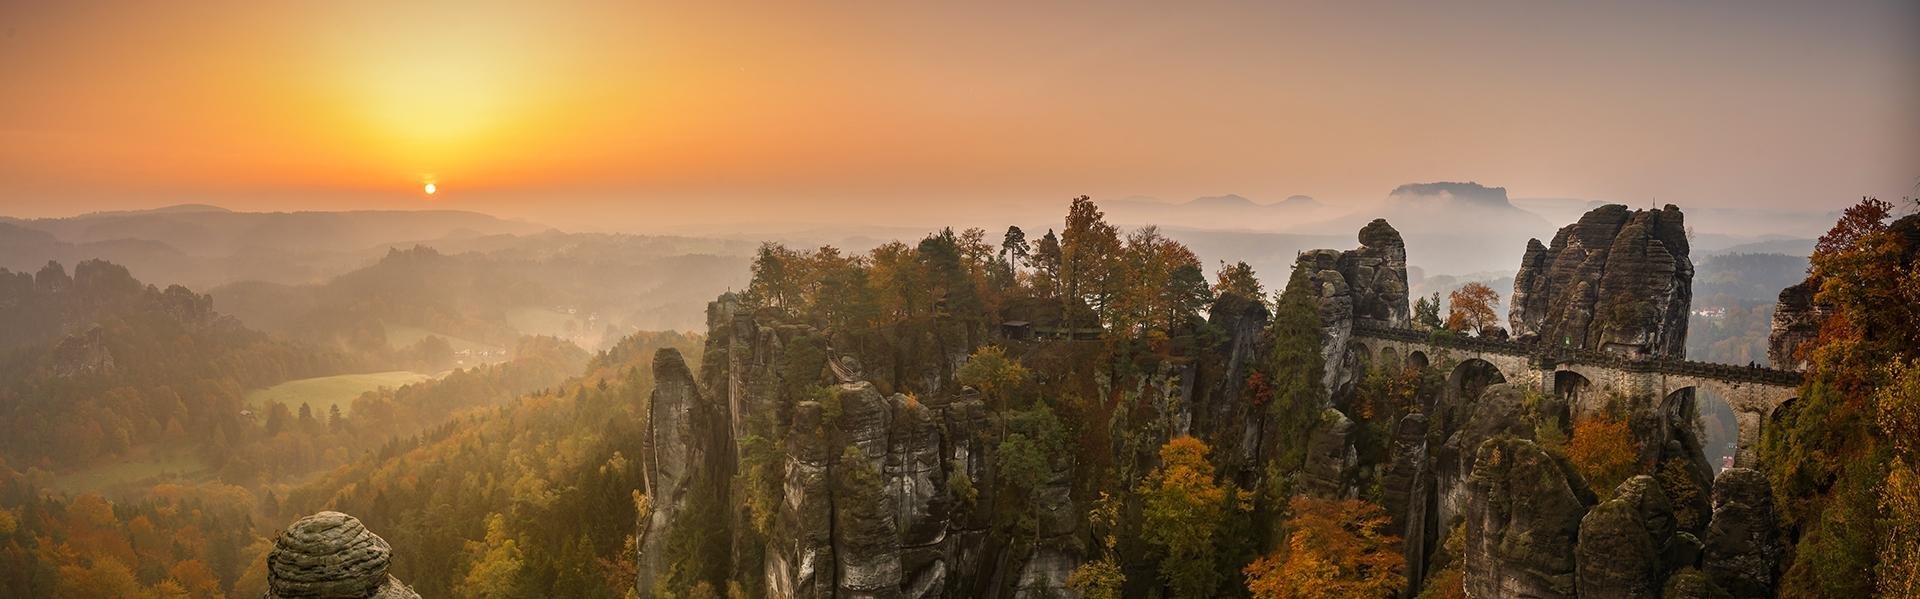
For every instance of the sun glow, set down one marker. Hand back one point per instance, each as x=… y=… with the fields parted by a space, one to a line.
x=431 y=189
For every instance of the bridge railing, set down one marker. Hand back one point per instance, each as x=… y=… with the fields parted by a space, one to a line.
x=1548 y=357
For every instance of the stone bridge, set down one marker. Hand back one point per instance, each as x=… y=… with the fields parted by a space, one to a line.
x=1588 y=378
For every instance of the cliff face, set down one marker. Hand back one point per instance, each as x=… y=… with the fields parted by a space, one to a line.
x=869 y=484
x=1618 y=280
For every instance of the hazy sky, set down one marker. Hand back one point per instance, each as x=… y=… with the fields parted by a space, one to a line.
x=698 y=111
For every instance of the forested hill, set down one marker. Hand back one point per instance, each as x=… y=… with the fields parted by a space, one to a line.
x=96 y=362
x=534 y=498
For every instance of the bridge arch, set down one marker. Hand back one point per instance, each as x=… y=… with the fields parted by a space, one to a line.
x=1390 y=359
x=1754 y=406
x=1472 y=375
x=1573 y=388
x=1418 y=359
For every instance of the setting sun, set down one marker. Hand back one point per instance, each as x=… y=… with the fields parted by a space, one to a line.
x=431 y=189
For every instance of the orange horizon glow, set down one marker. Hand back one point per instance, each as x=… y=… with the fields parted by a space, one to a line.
x=300 y=104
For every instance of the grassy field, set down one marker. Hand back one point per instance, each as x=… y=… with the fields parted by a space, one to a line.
x=325 y=392
x=145 y=465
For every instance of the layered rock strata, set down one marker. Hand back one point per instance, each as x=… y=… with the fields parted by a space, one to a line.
x=330 y=555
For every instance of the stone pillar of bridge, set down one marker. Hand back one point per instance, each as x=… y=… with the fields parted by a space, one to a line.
x=1747 y=453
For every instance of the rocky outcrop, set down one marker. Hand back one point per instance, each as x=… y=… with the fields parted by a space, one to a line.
x=1618 y=280
x=688 y=465
x=330 y=555
x=84 y=353
x=1743 y=549
x=1500 y=410
x=1330 y=456
x=1377 y=274
x=1620 y=553
x=1366 y=285
x=1221 y=415
x=1522 y=521
x=1796 y=321
x=1322 y=271
x=866 y=534
x=1406 y=463
x=800 y=555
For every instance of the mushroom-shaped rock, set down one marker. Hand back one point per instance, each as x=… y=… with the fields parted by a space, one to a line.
x=330 y=555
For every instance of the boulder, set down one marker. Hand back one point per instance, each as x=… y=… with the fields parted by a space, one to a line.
x=330 y=555
x=1618 y=280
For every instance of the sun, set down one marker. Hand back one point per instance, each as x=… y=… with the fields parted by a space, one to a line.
x=431 y=189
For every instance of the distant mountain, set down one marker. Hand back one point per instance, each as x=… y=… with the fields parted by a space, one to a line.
x=1230 y=211
x=204 y=246
x=213 y=231
x=1453 y=227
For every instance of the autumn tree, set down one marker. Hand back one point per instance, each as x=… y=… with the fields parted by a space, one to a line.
x=1470 y=309
x=1101 y=577
x=496 y=563
x=1335 y=549
x=1182 y=511
x=997 y=377
x=1238 y=279
x=775 y=280
x=1160 y=283
x=1089 y=248
x=1602 y=450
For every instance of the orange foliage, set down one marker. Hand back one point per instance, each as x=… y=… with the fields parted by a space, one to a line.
x=1470 y=308
x=196 y=578
x=1602 y=449
x=1334 y=549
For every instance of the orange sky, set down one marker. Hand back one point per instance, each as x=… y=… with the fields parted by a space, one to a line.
x=564 y=109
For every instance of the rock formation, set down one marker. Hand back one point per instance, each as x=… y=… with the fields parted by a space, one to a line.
x=1742 y=546
x=1229 y=421
x=1796 y=321
x=330 y=555
x=1522 y=523
x=688 y=466
x=1622 y=541
x=1366 y=286
x=84 y=353
x=1330 y=456
x=1618 y=280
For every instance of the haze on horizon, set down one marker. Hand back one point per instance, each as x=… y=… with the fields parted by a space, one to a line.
x=621 y=116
